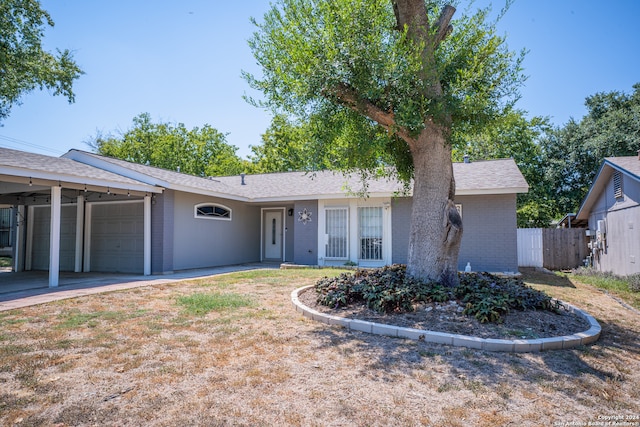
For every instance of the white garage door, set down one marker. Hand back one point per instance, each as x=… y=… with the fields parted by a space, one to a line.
x=41 y=230
x=117 y=237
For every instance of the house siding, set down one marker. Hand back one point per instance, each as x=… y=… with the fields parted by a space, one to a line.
x=621 y=253
x=289 y=234
x=162 y=227
x=200 y=243
x=400 y=223
x=306 y=235
x=489 y=240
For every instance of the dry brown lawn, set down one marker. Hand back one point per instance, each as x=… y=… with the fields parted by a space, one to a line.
x=138 y=357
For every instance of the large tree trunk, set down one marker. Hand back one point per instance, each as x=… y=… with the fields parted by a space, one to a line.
x=436 y=226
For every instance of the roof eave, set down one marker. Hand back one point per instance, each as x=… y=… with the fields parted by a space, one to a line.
x=202 y=192
x=25 y=176
x=104 y=164
x=589 y=200
x=491 y=191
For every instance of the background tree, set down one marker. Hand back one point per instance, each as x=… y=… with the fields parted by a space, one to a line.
x=285 y=147
x=310 y=145
x=199 y=151
x=573 y=153
x=514 y=136
x=24 y=65
x=392 y=82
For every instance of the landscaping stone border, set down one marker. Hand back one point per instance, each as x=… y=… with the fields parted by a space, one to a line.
x=515 y=346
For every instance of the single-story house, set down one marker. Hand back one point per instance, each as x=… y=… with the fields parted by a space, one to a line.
x=611 y=210
x=86 y=212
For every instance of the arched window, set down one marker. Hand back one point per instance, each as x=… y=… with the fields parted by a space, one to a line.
x=212 y=211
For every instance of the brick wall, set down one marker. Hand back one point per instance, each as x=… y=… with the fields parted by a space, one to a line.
x=489 y=240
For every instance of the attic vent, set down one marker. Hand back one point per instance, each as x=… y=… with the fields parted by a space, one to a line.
x=617 y=184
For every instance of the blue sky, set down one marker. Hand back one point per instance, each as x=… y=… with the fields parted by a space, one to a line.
x=181 y=61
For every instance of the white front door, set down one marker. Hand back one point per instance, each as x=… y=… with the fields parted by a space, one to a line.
x=272 y=235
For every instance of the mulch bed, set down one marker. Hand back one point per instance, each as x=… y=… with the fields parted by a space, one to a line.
x=448 y=317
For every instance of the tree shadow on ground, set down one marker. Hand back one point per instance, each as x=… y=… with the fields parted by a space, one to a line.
x=618 y=337
x=387 y=357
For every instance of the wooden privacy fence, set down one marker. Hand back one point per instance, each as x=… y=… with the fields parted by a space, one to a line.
x=552 y=248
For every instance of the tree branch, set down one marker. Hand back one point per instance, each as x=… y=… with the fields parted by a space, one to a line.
x=413 y=15
x=345 y=95
x=444 y=28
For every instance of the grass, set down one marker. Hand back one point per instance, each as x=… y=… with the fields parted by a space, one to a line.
x=231 y=350
x=617 y=286
x=5 y=261
x=201 y=304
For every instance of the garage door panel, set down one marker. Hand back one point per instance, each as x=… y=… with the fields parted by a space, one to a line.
x=40 y=245
x=117 y=237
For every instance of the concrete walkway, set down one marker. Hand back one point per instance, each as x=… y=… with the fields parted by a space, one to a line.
x=18 y=290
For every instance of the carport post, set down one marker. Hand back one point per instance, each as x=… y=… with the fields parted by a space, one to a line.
x=79 y=234
x=54 y=237
x=147 y=235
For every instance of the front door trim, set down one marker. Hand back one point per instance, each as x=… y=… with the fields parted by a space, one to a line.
x=263 y=212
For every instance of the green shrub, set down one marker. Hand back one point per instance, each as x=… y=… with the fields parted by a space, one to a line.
x=488 y=298
x=386 y=290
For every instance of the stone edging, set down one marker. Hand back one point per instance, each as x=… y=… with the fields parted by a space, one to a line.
x=555 y=343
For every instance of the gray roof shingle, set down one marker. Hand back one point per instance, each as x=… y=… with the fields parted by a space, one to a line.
x=630 y=164
x=59 y=168
x=482 y=177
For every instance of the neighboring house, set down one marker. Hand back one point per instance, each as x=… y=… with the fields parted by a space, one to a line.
x=611 y=210
x=117 y=216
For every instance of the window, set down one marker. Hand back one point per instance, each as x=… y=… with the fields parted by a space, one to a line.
x=370 y=233
x=5 y=227
x=212 y=211
x=617 y=185
x=337 y=233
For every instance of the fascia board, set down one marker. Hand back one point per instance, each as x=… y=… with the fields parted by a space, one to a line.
x=512 y=190
x=624 y=171
x=589 y=199
x=597 y=185
x=492 y=191
x=90 y=160
x=315 y=197
x=80 y=180
x=217 y=194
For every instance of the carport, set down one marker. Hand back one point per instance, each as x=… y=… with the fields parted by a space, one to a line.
x=75 y=217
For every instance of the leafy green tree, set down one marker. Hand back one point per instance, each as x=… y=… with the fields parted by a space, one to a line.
x=199 y=151
x=573 y=153
x=299 y=145
x=24 y=65
x=285 y=147
x=391 y=82
x=514 y=136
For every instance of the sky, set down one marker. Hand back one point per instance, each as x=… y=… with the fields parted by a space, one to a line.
x=181 y=62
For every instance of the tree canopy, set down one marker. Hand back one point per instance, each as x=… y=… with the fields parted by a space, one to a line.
x=199 y=151
x=572 y=154
x=390 y=83
x=348 y=66
x=24 y=64
x=515 y=136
